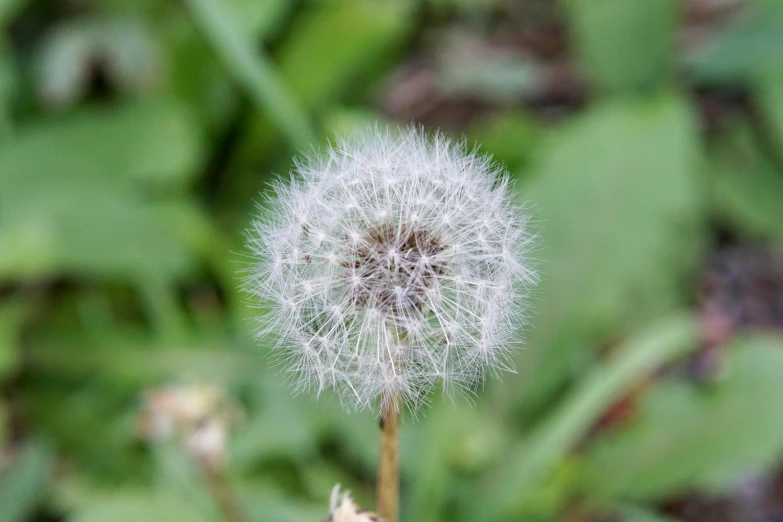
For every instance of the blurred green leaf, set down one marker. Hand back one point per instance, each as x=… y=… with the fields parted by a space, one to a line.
x=624 y=45
x=72 y=198
x=3 y=425
x=265 y=506
x=130 y=506
x=632 y=513
x=91 y=233
x=131 y=357
x=747 y=189
x=345 y=122
x=618 y=202
x=770 y=99
x=196 y=77
x=24 y=484
x=530 y=461
x=252 y=69
x=511 y=137
x=153 y=142
x=684 y=436
x=750 y=47
x=8 y=87
x=12 y=315
x=427 y=459
x=329 y=47
x=280 y=429
x=89 y=422
x=8 y=9
x=335 y=42
x=262 y=17
x=453 y=440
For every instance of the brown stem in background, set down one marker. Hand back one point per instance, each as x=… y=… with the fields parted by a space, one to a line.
x=222 y=493
x=388 y=468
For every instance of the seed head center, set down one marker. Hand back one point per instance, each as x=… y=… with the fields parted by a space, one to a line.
x=387 y=261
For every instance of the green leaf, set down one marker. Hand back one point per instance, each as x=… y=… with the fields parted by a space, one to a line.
x=747 y=189
x=346 y=122
x=12 y=315
x=281 y=428
x=531 y=460
x=153 y=142
x=453 y=439
x=251 y=69
x=129 y=506
x=750 y=47
x=262 y=17
x=333 y=43
x=24 y=484
x=769 y=95
x=633 y=513
x=8 y=89
x=511 y=137
x=625 y=45
x=75 y=193
x=130 y=357
x=9 y=9
x=268 y=506
x=619 y=209
x=685 y=436
x=96 y=233
x=331 y=48
x=3 y=425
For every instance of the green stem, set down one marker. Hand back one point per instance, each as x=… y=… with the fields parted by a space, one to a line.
x=222 y=493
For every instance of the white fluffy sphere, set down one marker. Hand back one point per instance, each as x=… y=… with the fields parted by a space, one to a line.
x=391 y=264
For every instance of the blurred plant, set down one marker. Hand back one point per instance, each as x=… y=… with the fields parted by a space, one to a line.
x=342 y=508
x=121 y=52
x=648 y=133
x=392 y=264
x=200 y=416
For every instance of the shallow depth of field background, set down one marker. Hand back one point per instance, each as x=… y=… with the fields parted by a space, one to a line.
x=647 y=135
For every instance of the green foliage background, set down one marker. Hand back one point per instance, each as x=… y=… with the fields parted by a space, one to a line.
x=123 y=201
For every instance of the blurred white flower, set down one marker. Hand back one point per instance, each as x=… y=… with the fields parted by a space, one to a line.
x=391 y=263
x=199 y=414
x=342 y=508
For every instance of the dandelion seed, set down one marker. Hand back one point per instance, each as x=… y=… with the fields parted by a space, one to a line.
x=392 y=264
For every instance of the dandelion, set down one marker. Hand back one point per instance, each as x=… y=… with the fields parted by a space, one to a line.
x=390 y=265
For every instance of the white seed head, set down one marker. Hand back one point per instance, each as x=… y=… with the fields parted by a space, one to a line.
x=390 y=264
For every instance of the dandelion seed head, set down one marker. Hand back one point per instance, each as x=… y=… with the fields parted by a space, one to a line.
x=391 y=264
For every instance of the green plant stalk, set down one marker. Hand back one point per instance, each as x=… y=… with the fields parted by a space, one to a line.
x=662 y=343
x=222 y=493
x=252 y=69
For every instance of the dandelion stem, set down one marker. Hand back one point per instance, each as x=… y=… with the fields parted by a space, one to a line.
x=222 y=493
x=388 y=468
